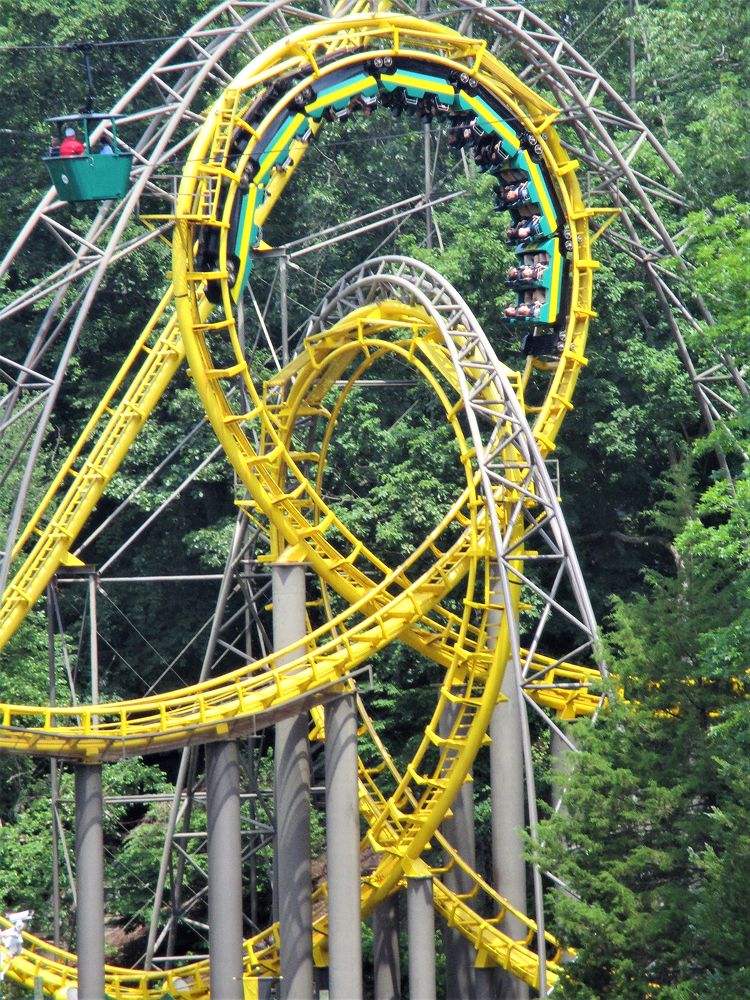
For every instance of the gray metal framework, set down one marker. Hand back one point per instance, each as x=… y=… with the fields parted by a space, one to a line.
x=166 y=106
x=493 y=428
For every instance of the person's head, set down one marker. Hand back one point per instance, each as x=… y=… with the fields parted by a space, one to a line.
x=70 y=132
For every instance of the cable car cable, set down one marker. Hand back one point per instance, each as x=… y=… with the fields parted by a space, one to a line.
x=73 y=46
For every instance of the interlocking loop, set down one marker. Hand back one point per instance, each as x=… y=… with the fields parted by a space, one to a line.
x=502 y=544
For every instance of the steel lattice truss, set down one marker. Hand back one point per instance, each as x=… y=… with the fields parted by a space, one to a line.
x=606 y=136
x=169 y=105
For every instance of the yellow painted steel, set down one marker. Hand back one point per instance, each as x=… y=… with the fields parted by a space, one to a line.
x=391 y=828
x=388 y=598
x=57 y=967
x=108 y=434
x=384 y=603
x=402 y=35
x=38 y=569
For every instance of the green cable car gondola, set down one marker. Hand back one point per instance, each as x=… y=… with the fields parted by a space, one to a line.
x=88 y=174
x=79 y=172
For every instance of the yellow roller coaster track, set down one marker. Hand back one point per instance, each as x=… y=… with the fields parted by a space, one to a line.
x=482 y=540
x=323 y=362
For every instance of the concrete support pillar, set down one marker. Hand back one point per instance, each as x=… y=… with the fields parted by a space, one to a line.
x=292 y=784
x=283 y=293
x=459 y=832
x=224 y=870
x=90 y=881
x=89 y=847
x=342 y=837
x=420 y=915
x=486 y=984
x=51 y=666
x=386 y=955
x=508 y=817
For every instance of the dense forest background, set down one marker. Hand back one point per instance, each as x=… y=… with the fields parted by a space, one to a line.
x=653 y=841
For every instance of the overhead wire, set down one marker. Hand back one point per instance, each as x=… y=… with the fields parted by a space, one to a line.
x=78 y=46
x=140 y=635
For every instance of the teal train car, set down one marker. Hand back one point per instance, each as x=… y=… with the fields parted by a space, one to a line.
x=536 y=279
x=476 y=121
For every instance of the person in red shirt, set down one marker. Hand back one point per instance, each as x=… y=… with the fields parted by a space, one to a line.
x=71 y=145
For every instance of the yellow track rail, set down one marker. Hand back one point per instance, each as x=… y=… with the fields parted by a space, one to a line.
x=383 y=603
x=92 y=738
x=57 y=968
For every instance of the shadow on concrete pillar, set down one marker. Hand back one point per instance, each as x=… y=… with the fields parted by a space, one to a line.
x=342 y=834
x=420 y=914
x=508 y=820
x=292 y=788
x=386 y=953
x=224 y=870
x=458 y=830
x=89 y=848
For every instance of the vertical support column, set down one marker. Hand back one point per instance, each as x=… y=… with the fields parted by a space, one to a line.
x=90 y=881
x=459 y=832
x=420 y=914
x=508 y=817
x=292 y=783
x=93 y=639
x=181 y=810
x=54 y=787
x=342 y=834
x=559 y=751
x=283 y=291
x=224 y=870
x=631 y=52
x=386 y=956
x=485 y=978
x=428 y=186
x=89 y=847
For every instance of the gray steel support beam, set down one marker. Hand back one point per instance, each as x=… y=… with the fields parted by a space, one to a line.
x=459 y=832
x=386 y=954
x=224 y=870
x=342 y=835
x=509 y=818
x=428 y=187
x=283 y=286
x=90 y=881
x=420 y=915
x=292 y=784
x=54 y=792
x=559 y=751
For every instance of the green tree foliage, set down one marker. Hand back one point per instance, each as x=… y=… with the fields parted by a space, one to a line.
x=720 y=250
x=648 y=841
